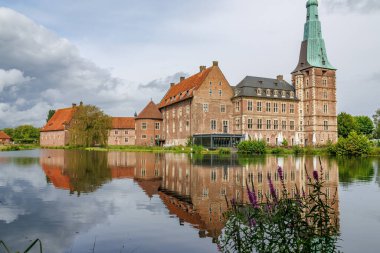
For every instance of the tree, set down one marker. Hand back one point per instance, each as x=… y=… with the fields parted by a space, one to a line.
x=50 y=114
x=376 y=120
x=89 y=127
x=364 y=125
x=24 y=134
x=346 y=124
x=9 y=131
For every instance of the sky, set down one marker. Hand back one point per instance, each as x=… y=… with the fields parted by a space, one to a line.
x=120 y=54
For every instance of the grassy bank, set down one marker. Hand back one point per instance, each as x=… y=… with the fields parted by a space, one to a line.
x=18 y=147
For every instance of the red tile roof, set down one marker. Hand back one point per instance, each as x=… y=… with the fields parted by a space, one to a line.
x=123 y=123
x=4 y=136
x=59 y=119
x=184 y=89
x=150 y=111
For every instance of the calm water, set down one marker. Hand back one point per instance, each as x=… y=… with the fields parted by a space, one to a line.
x=76 y=201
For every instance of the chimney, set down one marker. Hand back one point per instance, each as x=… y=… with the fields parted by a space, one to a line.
x=202 y=68
x=181 y=78
x=74 y=105
x=280 y=77
x=172 y=84
x=215 y=63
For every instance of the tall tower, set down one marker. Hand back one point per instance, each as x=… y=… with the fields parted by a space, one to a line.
x=314 y=79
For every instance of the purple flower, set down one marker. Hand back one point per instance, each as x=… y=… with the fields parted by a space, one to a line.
x=219 y=247
x=272 y=190
x=280 y=173
x=252 y=222
x=315 y=175
x=252 y=197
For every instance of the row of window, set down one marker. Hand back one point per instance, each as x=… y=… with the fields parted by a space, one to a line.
x=177 y=112
x=276 y=93
x=261 y=125
x=144 y=136
x=144 y=125
x=267 y=108
x=187 y=126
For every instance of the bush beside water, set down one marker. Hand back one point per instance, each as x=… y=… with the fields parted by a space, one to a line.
x=252 y=147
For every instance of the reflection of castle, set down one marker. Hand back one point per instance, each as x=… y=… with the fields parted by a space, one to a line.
x=193 y=190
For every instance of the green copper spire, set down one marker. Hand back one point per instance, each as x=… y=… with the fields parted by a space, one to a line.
x=313 y=49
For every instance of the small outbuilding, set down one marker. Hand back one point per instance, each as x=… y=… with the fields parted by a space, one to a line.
x=4 y=138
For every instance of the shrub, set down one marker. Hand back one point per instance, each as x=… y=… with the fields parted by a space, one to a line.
x=252 y=147
x=297 y=150
x=353 y=145
x=277 y=150
x=197 y=149
x=224 y=151
x=285 y=143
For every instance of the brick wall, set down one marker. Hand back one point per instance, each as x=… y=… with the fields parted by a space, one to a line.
x=119 y=137
x=147 y=132
x=54 y=138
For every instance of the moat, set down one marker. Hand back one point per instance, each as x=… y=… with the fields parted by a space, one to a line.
x=82 y=201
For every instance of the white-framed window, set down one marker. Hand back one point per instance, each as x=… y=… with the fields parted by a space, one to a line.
x=325 y=94
x=283 y=108
x=275 y=107
x=259 y=106
x=126 y=140
x=275 y=124
x=126 y=132
x=205 y=107
x=283 y=125
x=213 y=124
x=325 y=125
x=220 y=93
x=250 y=105
x=292 y=94
x=157 y=125
x=307 y=82
x=325 y=108
x=283 y=93
x=291 y=124
x=275 y=93
x=267 y=107
x=291 y=108
x=250 y=124
x=116 y=132
x=269 y=124
x=307 y=95
x=143 y=136
x=237 y=106
x=222 y=108
x=268 y=92
x=157 y=136
x=259 y=92
x=143 y=125
x=173 y=127
x=259 y=124
x=237 y=123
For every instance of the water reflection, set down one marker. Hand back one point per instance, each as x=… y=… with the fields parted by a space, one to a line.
x=193 y=189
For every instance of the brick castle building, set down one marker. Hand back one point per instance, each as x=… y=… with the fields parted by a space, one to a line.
x=205 y=109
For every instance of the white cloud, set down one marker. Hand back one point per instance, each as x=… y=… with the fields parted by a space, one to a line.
x=12 y=77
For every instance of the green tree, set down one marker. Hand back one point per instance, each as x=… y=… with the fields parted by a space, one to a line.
x=89 y=127
x=364 y=125
x=376 y=120
x=354 y=145
x=26 y=134
x=9 y=131
x=50 y=114
x=346 y=124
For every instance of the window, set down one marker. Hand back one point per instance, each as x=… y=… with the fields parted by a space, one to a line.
x=173 y=127
x=267 y=107
x=157 y=137
x=205 y=107
x=275 y=107
x=276 y=93
x=116 y=132
x=325 y=109
x=220 y=83
x=222 y=108
x=291 y=123
x=250 y=124
x=126 y=139
x=187 y=109
x=307 y=108
x=324 y=82
x=187 y=125
x=259 y=106
x=325 y=125
x=237 y=123
x=268 y=124
x=275 y=124
x=258 y=91
x=210 y=92
x=284 y=125
x=307 y=82
x=143 y=136
x=307 y=95
x=143 y=125
x=157 y=125
x=250 y=105
x=283 y=93
x=291 y=108
x=220 y=93
x=126 y=131
x=180 y=112
x=291 y=94
x=213 y=124
x=283 y=108
x=237 y=106
x=324 y=94
x=268 y=92
x=259 y=124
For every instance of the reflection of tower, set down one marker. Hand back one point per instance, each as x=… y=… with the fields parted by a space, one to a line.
x=315 y=82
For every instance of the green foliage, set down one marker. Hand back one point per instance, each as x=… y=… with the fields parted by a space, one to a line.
x=353 y=145
x=297 y=150
x=355 y=169
x=376 y=120
x=49 y=115
x=252 y=147
x=364 y=125
x=189 y=141
x=346 y=124
x=224 y=151
x=89 y=127
x=25 y=134
x=285 y=143
x=196 y=149
x=304 y=223
x=277 y=150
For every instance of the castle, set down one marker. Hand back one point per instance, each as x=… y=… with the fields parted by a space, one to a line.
x=206 y=109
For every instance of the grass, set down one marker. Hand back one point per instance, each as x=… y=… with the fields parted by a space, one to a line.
x=18 y=147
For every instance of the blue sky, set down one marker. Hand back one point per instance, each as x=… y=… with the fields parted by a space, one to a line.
x=118 y=54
